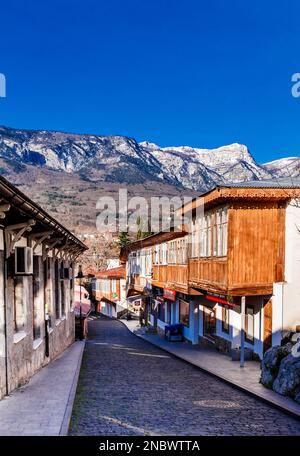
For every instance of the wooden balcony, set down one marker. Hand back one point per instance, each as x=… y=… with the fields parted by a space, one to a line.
x=172 y=276
x=137 y=282
x=209 y=273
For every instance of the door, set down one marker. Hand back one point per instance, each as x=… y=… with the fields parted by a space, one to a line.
x=209 y=322
x=267 y=324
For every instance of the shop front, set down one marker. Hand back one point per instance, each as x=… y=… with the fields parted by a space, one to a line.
x=221 y=321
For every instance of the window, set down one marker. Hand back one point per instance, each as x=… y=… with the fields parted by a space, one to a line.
x=193 y=240
x=47 y=289
x=149 y=263
x=36 y=307
x=113 y=286
x=202 y=236
x=56 y=289
x=164 y=249
x=213 y=234
x=143 y=263
x=71 y=286
x=172 y=252
x=184 y=312
x=224 y=231
x=156 y=255
x=19 y=314
x=225 y=319
x=249 y=324
x=220 y=233
x=62 y=292
x=205 y=235
x=105 y=285
x=181 y=251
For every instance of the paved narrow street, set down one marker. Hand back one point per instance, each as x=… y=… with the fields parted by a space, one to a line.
x=129 y=387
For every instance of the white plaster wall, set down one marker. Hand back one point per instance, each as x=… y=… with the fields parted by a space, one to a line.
x=21 y=243
x=219 y=331
x=234 y=335
x=277 y=313
x=1 y=239
x=123 y=291
x=200 y=329
x=291 y=288
x=189 y=331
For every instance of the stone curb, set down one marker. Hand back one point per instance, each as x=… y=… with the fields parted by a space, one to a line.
x=286 y=408
x=68 y=412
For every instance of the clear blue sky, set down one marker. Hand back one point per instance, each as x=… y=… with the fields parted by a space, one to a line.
x=190 y=72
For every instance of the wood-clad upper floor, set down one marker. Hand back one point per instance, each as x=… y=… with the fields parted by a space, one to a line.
x=235 y=245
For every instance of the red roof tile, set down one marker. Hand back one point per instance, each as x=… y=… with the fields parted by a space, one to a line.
x=114 y=273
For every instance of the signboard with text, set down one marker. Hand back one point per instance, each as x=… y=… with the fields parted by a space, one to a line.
x=169 y=294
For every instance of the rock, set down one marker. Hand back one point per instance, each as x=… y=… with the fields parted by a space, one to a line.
x=297 y=398
x=286 y=337
x=271 y=362
x=288 y=378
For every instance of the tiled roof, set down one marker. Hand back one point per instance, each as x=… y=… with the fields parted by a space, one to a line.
x=283 y=182
x=114 y=273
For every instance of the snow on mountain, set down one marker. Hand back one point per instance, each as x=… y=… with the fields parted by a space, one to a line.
x=200 y=168
x=282 y=167
x=119 y=159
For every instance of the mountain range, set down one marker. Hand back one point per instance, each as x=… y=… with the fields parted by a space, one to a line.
x=66 y=172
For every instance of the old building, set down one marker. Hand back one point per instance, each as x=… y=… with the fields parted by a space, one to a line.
x=109 y=291
x=236 y=268
x=37 y=264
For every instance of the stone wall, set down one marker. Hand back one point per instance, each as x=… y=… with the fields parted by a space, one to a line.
x=26 y=344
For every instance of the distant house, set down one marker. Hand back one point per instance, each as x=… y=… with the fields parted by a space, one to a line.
x=109 y=291
x=81 y=299
x=82 y=307
x=37 y=264
x=241 y=253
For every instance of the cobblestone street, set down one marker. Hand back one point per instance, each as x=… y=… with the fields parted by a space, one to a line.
x=129 y=387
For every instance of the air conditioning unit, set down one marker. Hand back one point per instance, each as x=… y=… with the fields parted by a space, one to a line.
x=23 y=260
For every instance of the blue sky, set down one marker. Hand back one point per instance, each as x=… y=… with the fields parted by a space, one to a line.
x=199 y=73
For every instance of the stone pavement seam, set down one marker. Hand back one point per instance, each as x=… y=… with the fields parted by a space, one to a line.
x=68 y=413
x=278 y=405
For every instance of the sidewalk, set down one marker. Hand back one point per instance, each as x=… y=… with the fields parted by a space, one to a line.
x=44 y=406
x=221 y=366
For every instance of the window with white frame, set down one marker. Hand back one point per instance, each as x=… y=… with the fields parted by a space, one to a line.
x=220 y=232
x=148 y=262
x=143 y=263
x=194 y=240
x=172 y=252
x=209 y=235
x=106 y=285
x=182 y=251
x=164 y=249
x=113 y=286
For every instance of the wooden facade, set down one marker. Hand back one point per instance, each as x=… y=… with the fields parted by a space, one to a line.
x=254 y=257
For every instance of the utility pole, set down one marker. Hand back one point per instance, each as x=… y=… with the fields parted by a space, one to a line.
x=243 y=309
